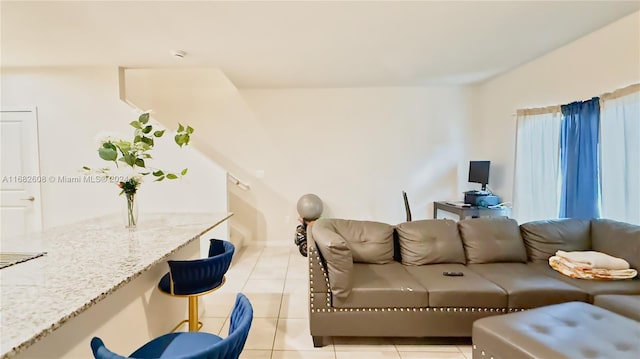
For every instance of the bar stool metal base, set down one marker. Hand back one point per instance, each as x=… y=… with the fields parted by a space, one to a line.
x=194 y=323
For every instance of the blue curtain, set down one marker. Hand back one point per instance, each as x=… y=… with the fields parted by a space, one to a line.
x=580 y=192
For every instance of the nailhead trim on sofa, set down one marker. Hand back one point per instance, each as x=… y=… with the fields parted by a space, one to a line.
x=329 y=309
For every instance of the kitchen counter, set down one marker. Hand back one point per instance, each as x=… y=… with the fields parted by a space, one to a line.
x=84 y=263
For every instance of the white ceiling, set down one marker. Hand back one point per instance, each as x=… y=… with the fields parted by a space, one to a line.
x=303 y=44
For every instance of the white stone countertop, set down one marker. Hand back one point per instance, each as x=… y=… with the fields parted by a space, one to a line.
x=85 y=262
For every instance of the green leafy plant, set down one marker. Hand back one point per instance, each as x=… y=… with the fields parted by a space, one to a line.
x=135 y=154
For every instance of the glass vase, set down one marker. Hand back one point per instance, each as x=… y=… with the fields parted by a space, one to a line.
x=131 y=211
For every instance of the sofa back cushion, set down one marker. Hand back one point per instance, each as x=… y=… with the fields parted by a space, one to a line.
x=337 y=256
x=370 y=242
x=543 y=239
x=491 y=240
x=430 y=241
x=617 y=239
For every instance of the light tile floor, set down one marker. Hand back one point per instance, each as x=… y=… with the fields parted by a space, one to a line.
x=275 y=281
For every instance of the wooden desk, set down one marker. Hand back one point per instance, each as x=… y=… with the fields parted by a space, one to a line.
x=473 y=211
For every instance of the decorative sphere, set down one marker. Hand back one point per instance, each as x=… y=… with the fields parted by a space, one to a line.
x=310 y=207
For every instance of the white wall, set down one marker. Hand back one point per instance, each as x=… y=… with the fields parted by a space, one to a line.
x=356 y=148
x=76 y=104
x=600 y=62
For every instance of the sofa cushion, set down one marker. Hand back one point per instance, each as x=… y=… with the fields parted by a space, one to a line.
x=370 y=242
x=490 y=240
x=468 y=291
x=337 y=255
x=591 y=287
x=618 y=239
x=627 y=305
x=543 y=239
x=430 y=241
x=527 y=288
x=383 y=286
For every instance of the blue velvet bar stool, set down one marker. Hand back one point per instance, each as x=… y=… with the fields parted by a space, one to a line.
x=193 y=345
x=193 y=278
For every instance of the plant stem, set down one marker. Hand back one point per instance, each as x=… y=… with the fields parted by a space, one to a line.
x=130 y=215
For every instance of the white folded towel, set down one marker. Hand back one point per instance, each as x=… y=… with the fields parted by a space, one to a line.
x=593 y=259
x=574 y=270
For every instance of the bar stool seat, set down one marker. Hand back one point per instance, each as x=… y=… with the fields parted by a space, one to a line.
x=194 y=278
x=192 y=345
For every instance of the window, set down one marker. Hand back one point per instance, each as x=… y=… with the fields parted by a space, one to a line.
x=537 y=191
x=620 y=157
x=537 y=168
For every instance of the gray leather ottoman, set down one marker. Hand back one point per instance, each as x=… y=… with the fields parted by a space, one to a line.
x=627 y=305
x=569 y=330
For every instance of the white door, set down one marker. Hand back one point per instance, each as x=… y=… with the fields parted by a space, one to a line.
x=20 y=205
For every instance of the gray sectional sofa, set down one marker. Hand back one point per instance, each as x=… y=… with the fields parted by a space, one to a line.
x=374 y=279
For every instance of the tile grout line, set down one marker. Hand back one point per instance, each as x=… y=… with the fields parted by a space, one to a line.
x=228 y=317
x=252 y=269
x=275 y=335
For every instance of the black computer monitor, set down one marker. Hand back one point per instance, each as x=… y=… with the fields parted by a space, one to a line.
x=479 y=173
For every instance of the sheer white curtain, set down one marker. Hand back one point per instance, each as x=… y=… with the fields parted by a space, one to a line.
x=620 y=156
x=535 y=193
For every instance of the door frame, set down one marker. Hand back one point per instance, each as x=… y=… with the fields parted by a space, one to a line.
x=37 y=211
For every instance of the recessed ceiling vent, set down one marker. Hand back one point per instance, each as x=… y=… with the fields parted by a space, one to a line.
x=178 y=54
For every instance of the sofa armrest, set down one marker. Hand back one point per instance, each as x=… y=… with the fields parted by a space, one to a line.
x=338 y=258
x=319 y=292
